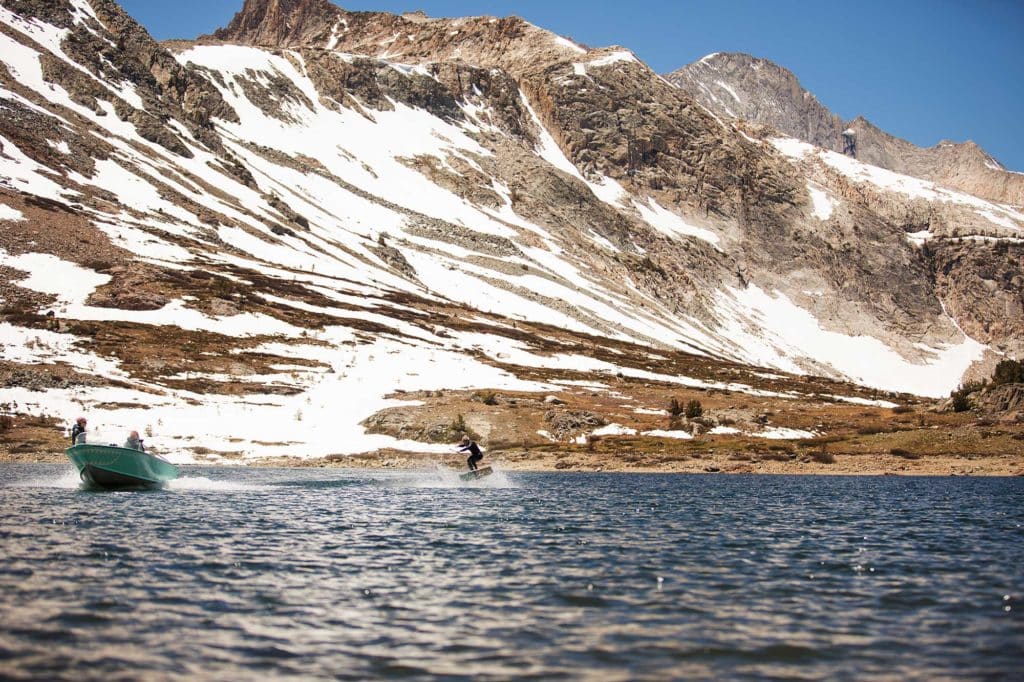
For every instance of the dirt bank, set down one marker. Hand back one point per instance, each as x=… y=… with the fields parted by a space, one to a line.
x=577 y=461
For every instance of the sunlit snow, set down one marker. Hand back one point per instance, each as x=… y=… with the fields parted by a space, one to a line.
x=785 y=332
x=613 y=58
x=915 y=188
x=821 y=202
x=12 y=214
x=670 y=224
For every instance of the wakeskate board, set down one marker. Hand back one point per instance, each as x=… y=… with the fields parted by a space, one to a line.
x=475 y=474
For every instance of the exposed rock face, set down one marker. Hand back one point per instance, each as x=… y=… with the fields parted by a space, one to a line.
x=281 y=22
x=740 y=86
x=567 y=423
x=142 y=61
x=629 y=124
x=1002 y=399
x=757 y=90
x=410 y=38
x=961 y=165
x=982 y=285
x=128 y=291
x=113 y=46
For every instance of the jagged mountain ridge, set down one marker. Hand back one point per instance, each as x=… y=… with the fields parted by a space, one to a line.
x=741 y=86
x=533 y=56
x=344 y=187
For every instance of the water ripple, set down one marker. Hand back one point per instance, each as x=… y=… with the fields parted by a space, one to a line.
x=252 y=573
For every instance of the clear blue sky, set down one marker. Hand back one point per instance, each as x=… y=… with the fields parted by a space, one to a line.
x=924 y=70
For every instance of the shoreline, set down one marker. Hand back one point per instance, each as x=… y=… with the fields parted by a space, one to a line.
x=584 y=462
x=571 y=461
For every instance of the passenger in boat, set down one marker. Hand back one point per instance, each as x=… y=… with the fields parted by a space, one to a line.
x=134 y=442
x=474 y=452
x=78 y=431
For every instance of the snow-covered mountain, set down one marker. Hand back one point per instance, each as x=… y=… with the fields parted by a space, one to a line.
x=268 y=236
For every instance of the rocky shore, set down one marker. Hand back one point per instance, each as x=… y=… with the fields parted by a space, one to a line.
x=520 y=432
x=583 y=462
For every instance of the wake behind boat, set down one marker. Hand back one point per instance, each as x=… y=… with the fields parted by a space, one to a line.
x=108 y=466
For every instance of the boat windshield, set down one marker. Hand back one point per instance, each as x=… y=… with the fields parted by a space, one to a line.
x=108 y=437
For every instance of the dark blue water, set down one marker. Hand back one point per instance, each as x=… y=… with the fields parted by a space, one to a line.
x=270 y=573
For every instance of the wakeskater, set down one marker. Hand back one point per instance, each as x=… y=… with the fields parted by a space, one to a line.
x=475 y=455
x=470 y=446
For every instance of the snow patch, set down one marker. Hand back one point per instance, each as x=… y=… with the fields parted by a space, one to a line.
x=863 y=401
x=614 y=430
x=779 y=433
x=22 y=173
x=133 y=190
x=48 y=274
x=821 y=202
x=795 y=149
x=1000 y=220
x=914 y=188
x=144 y=245
x=607 y=190
x=660 y=433
x=10 y=214
x=727 y=88
x=919 y=238
x=565 y=42
x=548 y=149
x=670 y=224
x=613 y=58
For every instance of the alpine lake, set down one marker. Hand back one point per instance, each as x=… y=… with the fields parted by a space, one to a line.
x=261 y=573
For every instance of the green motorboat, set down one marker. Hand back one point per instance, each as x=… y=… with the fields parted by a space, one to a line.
x=108 y=466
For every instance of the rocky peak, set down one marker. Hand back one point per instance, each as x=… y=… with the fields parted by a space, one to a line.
x=103 y=42
x=280 y=22
x=742 y=86
x=745 y=87
x=960 y=165
x=510 y=43
x=609 y=114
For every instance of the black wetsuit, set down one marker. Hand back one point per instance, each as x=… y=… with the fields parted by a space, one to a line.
x=474 y=454
x=76 y=431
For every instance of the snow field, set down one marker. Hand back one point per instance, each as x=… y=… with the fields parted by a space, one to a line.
x=786 y=332
x=73 y=284
x=915 y=188
x=324 y=419
x=565 y=42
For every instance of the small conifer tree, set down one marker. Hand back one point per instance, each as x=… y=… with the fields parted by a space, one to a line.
x=674 y=408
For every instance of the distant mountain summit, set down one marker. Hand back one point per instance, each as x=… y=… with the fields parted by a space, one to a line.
x=280 y=22
x=741 y=86
x=413 y=37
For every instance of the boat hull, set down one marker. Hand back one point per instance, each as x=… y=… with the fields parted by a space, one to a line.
x=107 y=466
